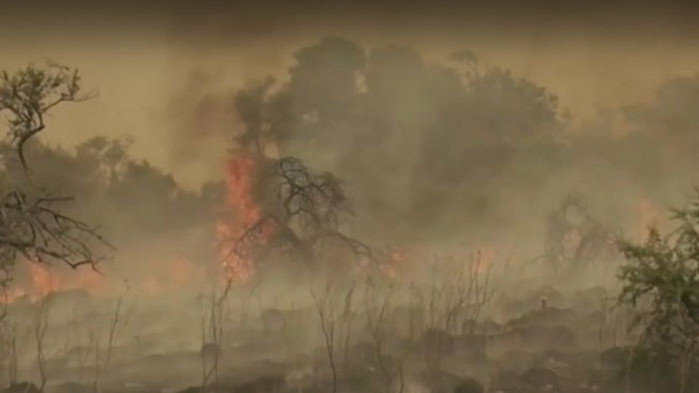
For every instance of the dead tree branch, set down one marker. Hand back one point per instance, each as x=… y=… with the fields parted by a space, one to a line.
x=325 y=304
x=377 y=303
x=304 y=217
x=40 y=326
x=34 y=229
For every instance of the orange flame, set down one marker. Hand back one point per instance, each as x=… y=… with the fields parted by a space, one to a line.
x=240 y=198
x=397 y=259
x=36 y=280
x=10 y=295
x=42 y=279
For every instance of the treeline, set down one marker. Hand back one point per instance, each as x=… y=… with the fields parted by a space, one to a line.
x=128 y=199
x=456 y=145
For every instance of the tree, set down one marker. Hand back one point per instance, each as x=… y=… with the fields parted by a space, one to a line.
x=378 y=298
x=671 y=117
x=327 y=307
x=252 y=106
x=302 y=213
x=575 y=236
x=449 y=137
x=661 y=281
x=30 y=93
x=31 y=224
x=41 y=324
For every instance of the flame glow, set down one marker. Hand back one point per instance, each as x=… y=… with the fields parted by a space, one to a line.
x=240 y=198
x=33 y=281
x=36 y=280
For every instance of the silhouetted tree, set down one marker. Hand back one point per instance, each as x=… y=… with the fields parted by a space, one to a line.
x=30 y=93
x=302 y=213
x=31 y=224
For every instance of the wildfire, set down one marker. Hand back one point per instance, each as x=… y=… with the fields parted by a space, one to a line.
x=36 y=280
x=43 y=280
x=240 y=198
x=397 y=259
x=10 y=295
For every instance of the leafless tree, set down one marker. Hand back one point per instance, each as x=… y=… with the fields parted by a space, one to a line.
x=437 y=308
x=247 y=299
x=481 y=291
x=13 y=360
x=83 y=356
x=31 y=224
x=347 y=321
x=10 y=338
x=36 y=230
x=326 y=304
x=458 y=291
x=377 y=302
x=212 y=336
x=103 y=356
x=575 y=236
x=41 y=324
x=302 y=215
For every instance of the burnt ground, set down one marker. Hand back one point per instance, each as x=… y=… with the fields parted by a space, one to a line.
x=571 y=343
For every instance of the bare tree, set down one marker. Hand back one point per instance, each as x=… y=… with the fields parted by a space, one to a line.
x=377 y=303
x=458 y=291
x=575 y=236
x=10 y=337
x=13 y=360
x=347 y=319
x=247 y=299
x=212 y=336
x=302 y=215
x=36 y=230
x=481 y=291
x=31 y=225
x=326 y=304
x=434 y=336
x=103 y=356
x=84 y=355
x=41 y=324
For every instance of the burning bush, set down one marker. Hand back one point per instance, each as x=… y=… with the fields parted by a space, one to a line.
x=285 y=211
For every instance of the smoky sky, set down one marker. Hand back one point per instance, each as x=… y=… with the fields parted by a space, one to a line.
x=143 y=57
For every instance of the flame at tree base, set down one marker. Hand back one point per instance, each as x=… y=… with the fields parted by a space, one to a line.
x=243 y=212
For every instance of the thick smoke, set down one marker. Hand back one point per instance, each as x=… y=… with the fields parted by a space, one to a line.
x=441 y=150
x=430 y=150
x=200 y=115
x=448 y=154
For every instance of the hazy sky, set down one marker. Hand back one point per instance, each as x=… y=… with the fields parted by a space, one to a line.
x=149 y=63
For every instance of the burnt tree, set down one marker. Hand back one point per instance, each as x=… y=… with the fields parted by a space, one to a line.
x=302 y=214
x=575 y=236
